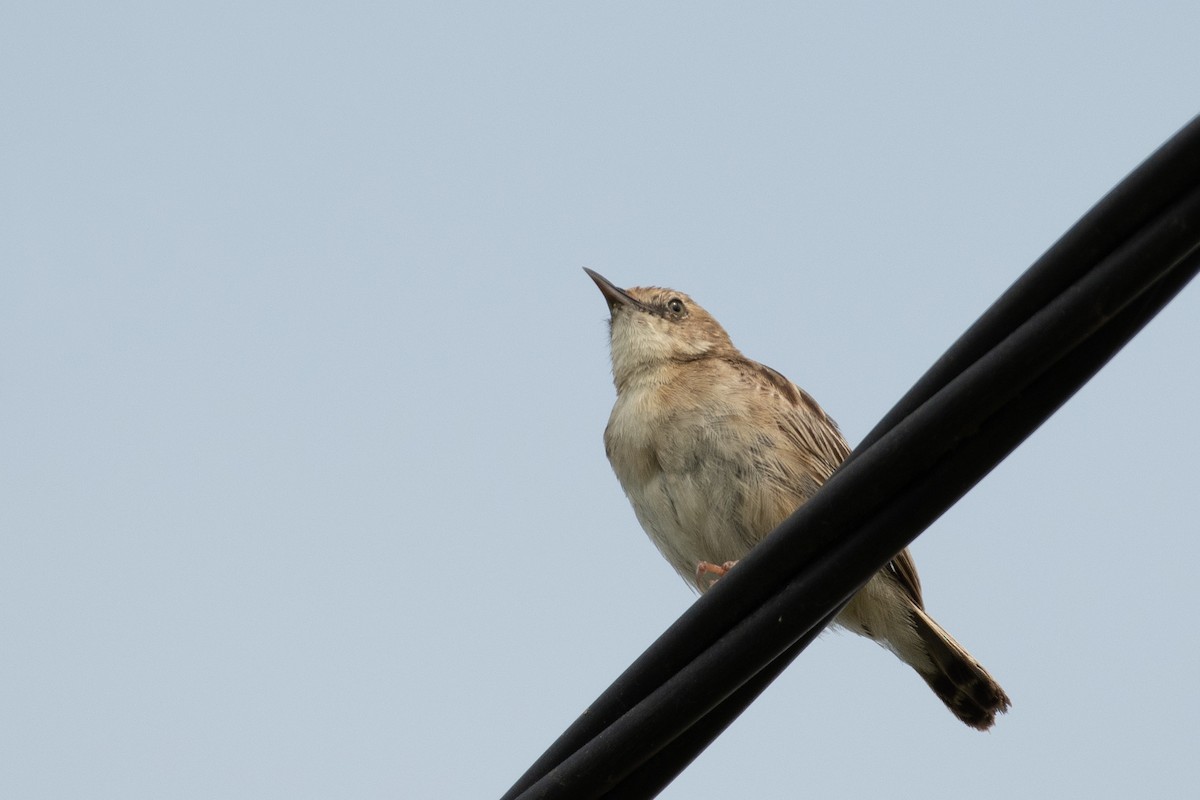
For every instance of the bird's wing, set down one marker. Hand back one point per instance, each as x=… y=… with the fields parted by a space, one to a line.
x=807 y=426
x=904 y=570
x=820 y=447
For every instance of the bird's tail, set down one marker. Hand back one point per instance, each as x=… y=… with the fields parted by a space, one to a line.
x=956 y=677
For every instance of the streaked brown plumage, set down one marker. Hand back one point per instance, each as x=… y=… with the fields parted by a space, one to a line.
x=715 y=450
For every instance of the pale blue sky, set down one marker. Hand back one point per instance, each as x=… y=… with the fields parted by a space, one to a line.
x=303 y=387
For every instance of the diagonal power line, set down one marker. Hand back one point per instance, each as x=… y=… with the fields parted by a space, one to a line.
x=1046 y=336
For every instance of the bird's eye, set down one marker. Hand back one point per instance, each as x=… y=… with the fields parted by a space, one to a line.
x=675 y=305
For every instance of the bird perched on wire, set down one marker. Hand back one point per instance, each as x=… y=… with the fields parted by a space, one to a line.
x=714 y=451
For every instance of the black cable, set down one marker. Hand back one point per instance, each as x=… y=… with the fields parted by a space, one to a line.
x=1045 y=337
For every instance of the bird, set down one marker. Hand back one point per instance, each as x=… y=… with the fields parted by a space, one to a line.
x=714 y=451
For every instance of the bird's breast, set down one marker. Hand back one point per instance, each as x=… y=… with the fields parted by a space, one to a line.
x=691 y=480
x=631 y=440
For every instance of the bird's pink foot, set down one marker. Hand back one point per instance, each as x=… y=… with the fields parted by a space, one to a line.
x=707 y=573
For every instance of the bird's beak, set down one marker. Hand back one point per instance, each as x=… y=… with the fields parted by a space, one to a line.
x=615 y=295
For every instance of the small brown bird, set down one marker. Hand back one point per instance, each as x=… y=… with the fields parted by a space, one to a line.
x=714 y=451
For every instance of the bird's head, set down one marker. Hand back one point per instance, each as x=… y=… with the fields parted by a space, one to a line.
x=652 y=327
